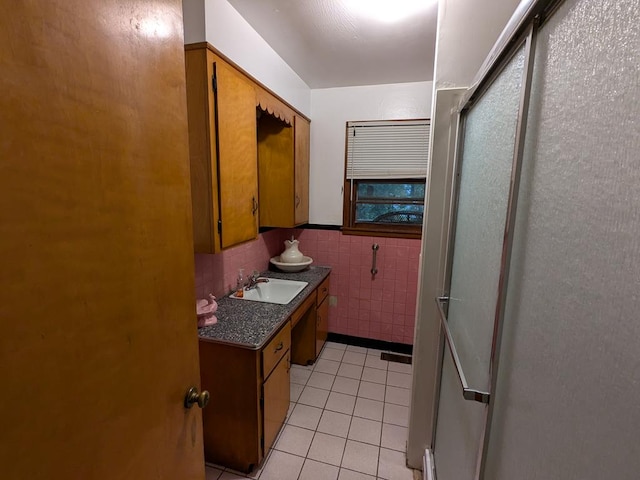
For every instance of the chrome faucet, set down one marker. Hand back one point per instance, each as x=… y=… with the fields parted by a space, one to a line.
x=254 y=280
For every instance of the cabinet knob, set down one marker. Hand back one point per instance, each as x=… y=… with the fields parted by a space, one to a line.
x=279 y=347
x=192 y=397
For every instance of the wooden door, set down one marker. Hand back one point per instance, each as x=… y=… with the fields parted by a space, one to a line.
x=237 y=154
x=276 y=401
x=302 y=145
x=98 y=338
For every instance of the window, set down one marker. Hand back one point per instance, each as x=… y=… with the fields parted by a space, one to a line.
x=385 y=177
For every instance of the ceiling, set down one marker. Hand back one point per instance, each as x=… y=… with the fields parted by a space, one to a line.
x=328 y=44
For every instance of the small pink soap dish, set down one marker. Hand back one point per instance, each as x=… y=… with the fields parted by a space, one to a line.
x=205 y=310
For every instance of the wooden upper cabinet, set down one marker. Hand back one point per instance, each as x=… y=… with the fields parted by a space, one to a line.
x=221 y=104
x=302 y=146
x=283 y=166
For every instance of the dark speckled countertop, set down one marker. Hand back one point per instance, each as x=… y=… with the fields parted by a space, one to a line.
x=251 y=324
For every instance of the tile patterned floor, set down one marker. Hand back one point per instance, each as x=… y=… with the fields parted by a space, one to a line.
x=347 y=421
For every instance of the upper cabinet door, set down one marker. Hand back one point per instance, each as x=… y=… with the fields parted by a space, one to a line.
x=302 y=146
x=235 y=119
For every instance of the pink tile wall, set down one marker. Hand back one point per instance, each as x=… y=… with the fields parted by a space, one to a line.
x=381 y=307
x=218 y=273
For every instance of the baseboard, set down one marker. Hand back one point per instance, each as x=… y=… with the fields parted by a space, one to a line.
x=371 y=343
x=428 y=467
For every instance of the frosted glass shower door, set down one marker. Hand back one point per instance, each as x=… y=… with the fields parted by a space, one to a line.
x=483 y=193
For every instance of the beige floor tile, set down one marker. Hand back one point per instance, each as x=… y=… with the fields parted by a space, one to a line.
x=346 y=385
x=400 y=367
x=353 y=348
x=321 y=380
x=374 y=361
x=282 y=466
x=212 y=473
x=327 y=448
x=392 y=466
x=396 y=379
x=351 y=475
x=354 y=358
x=361 y=457
x=394 y=437
x=374 y=375
x=295 y=389
x=314 y=397
x=313 y=470
x=341 y=403
x=332 y=354
x=305 y=416
x=366 y=431
x=397 y=395
x=350 y=371
x=295 y=440
x=337 y=346
x=230 y=475
x=299 y=375
x=372 y=391
x=396 y=414
x=334 y=423
x=326 y=366
x=371 y=409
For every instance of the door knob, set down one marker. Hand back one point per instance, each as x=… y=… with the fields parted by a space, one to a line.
x=193 y=396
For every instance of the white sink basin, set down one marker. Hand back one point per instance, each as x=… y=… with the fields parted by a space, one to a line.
x=274 y=291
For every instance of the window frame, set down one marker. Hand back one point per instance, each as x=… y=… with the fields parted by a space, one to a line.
x=349 y=225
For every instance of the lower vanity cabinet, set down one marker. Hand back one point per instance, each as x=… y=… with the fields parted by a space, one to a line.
x=249 y=399
x=310 y=326
x=322 y=315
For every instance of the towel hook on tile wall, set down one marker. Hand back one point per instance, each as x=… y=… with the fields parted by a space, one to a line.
x=374 y=269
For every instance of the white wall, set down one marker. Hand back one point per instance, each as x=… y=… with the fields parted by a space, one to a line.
x=466 y=33
x=218 y=23
x=331 y=108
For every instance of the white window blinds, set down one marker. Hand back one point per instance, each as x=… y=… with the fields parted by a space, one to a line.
x=387 y=149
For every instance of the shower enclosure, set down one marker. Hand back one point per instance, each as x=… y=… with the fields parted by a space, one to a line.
x=540 y=303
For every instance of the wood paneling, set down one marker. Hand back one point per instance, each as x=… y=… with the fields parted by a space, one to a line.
x=232 y=421
x=308 y=302
x=323 y=290
x=269 y=103
x=276 y=172
x=303 y=336
x=275 y=349
x=223 y=152
x=322 y=325
x=236 y=419
x=310 y=326
x=276 y=395
x=237 y=154
x=302 y=152
x=98 y=341
x=202 y=151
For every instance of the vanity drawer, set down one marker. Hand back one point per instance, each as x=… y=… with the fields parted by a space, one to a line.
x=276 y=349
x=323 y=291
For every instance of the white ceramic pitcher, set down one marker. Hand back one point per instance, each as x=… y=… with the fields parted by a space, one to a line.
x=291 y=253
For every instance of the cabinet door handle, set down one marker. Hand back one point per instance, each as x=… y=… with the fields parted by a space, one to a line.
x=254 y=208
x=297 y=201
x=279 y=347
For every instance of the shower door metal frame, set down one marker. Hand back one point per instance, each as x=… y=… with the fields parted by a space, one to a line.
x=522 y=29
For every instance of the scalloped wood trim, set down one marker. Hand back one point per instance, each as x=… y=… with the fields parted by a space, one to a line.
x=270 y=104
